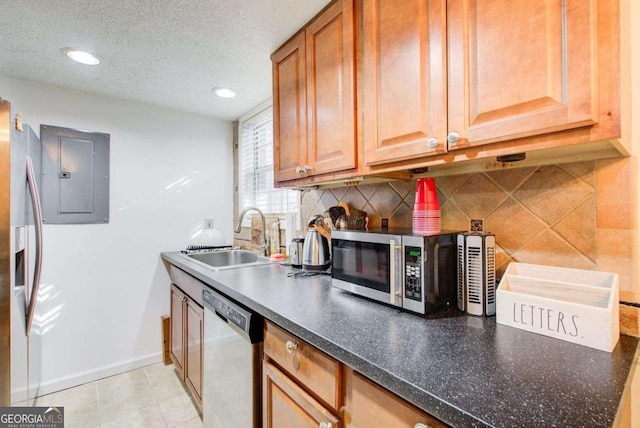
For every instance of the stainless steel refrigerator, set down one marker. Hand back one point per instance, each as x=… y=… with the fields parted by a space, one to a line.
x=20 y=258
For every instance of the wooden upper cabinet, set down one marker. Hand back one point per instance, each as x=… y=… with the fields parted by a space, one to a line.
x=289 y=108
x=404 y=79
x=444 y=81
x=314 y=97
x=519 y=69
x=331 y=90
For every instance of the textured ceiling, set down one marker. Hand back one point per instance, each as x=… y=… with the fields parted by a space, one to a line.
x=164 y=52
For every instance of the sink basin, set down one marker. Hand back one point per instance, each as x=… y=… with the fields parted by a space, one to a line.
x=228 y=259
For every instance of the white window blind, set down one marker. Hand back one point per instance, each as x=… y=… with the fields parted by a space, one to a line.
x=255 y=175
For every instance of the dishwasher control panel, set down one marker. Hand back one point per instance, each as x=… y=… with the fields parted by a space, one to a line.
x=231 y=314
x=250 y=324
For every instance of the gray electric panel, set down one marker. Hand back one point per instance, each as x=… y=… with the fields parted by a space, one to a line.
x=75 y=180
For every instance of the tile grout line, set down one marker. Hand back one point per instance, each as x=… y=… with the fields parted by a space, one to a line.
x=98 y=402
x=595 y=168
x=552 y=226
x=157 y=402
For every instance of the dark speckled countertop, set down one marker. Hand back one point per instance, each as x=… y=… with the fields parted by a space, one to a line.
x=464 y=370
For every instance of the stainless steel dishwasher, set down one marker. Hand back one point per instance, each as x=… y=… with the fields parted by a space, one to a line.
x=232 y=376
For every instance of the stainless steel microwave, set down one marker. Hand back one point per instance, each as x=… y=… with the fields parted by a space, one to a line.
x=413 y=272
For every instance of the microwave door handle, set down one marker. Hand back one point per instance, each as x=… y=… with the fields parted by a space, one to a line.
x=37 y=214
x=395 y=273
x=436 y=273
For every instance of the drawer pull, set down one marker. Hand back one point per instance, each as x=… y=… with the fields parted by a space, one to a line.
x=421 y=425
x=325 y=425
x=303 y=169
x=432 y=142
x=291 y=346
x=453 y=138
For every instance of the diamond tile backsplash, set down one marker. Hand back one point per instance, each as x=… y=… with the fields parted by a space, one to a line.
x=544 y=215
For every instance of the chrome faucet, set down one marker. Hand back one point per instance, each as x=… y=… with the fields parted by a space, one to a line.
x=263 y=246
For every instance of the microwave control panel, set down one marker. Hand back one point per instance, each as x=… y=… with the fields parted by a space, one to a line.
x=413 y=273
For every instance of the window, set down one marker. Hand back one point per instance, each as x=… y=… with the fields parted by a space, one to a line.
x=255 y=166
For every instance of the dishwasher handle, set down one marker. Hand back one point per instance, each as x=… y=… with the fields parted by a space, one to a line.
x=221 y=316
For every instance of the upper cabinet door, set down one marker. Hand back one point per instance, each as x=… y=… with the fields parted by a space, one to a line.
x=404 y=79
x=331 y=90
x=520 y=68
x=289 y=108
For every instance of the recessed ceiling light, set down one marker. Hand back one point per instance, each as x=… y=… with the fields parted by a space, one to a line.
x=81 y=56
x=224 y=92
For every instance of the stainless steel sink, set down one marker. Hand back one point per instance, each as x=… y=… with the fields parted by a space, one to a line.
x=228 y=259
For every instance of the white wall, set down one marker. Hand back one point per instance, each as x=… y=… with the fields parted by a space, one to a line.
x=105 y=287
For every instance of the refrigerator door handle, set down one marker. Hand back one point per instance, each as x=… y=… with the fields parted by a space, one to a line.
x=37 y=213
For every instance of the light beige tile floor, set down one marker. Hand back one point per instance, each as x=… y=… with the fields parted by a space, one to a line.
x=148 y=397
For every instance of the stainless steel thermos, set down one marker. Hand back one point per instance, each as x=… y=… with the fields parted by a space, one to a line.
x=295 y=252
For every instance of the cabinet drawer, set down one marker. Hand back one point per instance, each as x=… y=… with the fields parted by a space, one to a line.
x=285 y=404
x=188 y=284
x=314 y=370
x=368 y=405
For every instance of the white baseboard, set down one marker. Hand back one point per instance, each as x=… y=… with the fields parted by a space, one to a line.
x=99 y=373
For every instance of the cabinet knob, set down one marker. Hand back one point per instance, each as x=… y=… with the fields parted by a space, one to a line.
x=453 y=138
x=421 y=425
x=299 y=170
x=291 y=346
x=306 y=169
x=432 y=142
x=183 y=299
x=325 y=425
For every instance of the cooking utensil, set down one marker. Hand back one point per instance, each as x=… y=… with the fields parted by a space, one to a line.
x=342 y=223
x=336 y=213
x=323 y=229
x=313 y=219
x=345 y=207
x=328 y=222
x=357 y=219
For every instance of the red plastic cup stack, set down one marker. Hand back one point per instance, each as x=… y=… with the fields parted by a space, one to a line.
x=426 y=210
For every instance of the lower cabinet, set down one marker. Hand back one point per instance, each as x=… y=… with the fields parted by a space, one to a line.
x=194 y=332
x=177 y=328
x=304 y=387
x=186 y=341
x=301 y=384
x=285 y=404
x=368 y=405
x=316 y=371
